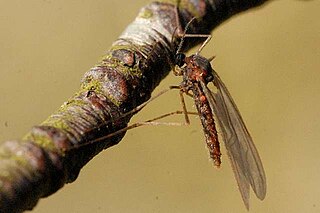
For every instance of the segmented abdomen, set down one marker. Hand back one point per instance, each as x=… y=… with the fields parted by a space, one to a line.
x=207 y=121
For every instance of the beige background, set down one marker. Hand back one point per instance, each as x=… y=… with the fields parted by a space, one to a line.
x=269 y=59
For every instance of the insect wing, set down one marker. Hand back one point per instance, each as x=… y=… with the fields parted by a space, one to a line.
x=242 y=152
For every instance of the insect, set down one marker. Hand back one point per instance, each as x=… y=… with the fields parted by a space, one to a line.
x=197 y=74
x=212 y=107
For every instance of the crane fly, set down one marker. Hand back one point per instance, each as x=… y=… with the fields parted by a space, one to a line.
x=245 y=161
x=212 y=106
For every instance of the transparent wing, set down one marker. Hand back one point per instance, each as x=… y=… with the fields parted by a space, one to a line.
x=242 y=153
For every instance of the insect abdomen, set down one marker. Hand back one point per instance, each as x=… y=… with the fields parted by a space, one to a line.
x=208 y=123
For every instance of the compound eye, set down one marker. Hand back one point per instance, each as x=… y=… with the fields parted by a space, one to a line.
x=179 y=60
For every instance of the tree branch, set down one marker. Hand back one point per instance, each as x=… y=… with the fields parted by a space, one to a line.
x=53 y=153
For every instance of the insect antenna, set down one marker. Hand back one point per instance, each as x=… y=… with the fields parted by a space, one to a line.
x=184 y=35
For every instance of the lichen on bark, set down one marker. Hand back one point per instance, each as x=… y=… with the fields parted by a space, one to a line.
x=54 y=152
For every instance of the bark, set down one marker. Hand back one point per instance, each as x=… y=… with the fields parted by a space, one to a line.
x=54 y=152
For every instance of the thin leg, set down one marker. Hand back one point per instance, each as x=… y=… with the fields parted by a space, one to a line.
x=184 y=34
x=183 y=103
x=151 y=122
x=178 y=112
x=208 y=36
x=179 y=87
x=133 y=111
x=186 y=117
x=204 y=44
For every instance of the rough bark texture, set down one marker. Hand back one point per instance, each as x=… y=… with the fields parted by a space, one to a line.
x=54 y=152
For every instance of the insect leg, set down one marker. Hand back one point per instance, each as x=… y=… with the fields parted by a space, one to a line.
x=151 y=122
x=183 y=103
x=207 y=36
x=184 y=107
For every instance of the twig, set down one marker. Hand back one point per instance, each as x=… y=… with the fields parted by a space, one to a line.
x=53 y=153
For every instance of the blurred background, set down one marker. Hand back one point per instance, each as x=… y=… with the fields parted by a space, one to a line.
x=269 y=58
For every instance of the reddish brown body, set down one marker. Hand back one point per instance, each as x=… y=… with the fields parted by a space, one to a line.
x=246 y=163
x=197 y=74
x=197 y=70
